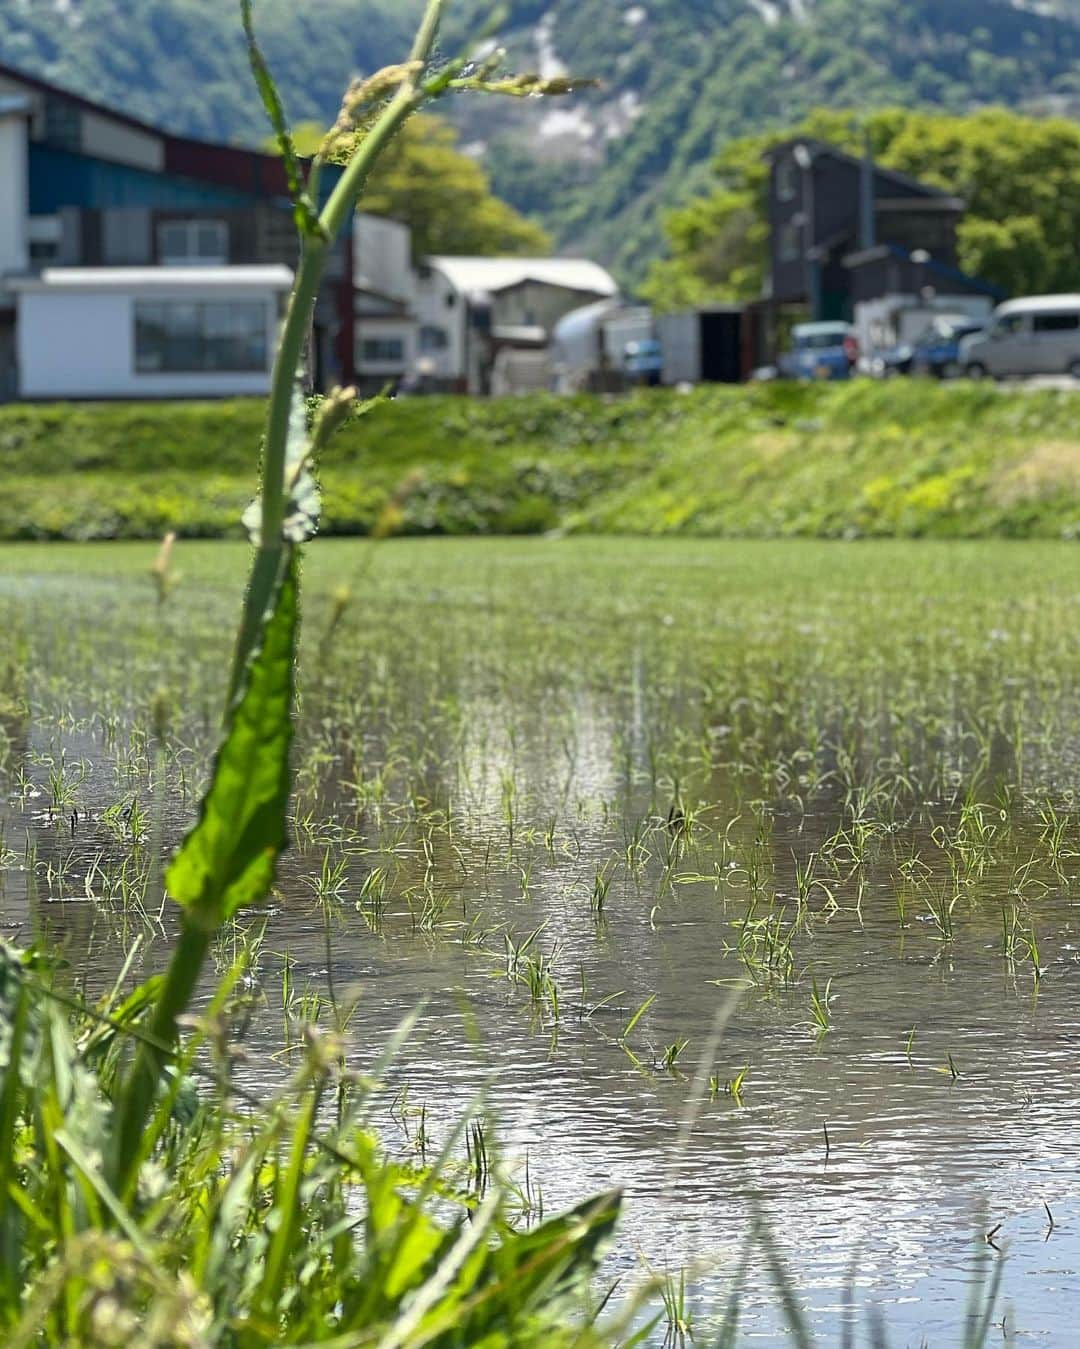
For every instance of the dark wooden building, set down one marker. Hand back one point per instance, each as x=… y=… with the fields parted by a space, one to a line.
x=825 y=206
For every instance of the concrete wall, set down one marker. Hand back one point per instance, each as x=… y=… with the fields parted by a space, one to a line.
x=82 y=345
x=382 y=254
x=14 y=194
x=680 y=338
x=439 y=305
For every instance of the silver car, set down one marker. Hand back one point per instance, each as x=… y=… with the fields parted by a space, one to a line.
x=1036 y=336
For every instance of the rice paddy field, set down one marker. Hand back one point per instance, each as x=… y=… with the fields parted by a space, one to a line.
x=743 y=876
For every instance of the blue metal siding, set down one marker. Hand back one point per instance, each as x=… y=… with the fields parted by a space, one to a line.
x=60 y=178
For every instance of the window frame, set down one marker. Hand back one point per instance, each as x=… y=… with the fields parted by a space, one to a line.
x=206 y=314
x=382 y=358
x=192 y=228
x=787 y=243
x=787 y=179
x=427 y=341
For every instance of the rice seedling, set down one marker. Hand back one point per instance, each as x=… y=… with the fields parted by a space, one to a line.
x=820 y=1014
x=679 y=1327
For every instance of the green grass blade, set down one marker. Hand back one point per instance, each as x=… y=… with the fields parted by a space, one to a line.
x=11 y=1223
x=287 y=1211
x=638 y=1014
x=304 y=212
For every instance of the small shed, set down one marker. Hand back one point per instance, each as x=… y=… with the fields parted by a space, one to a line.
x=148 y=332
x=703 y=346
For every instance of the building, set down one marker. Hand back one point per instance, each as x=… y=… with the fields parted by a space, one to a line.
x=135 y=263
x=148 y=332
x=386 y=326
x=111 y=226
x=472 y=309
x=896 y=294
x=460 y=324
x=852 y=241
x=825 y=206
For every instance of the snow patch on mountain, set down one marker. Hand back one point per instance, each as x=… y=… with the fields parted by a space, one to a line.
x=769 y=10
x=548 y=63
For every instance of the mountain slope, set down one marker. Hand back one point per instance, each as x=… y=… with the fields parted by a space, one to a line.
x=182 y=63
x=679 y=78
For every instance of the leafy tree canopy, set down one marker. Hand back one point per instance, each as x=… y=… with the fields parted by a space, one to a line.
x=444 y=196
x=1018 y=175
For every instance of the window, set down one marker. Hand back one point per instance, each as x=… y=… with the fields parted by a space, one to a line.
x=176 y=337
x=382 y=349
x=1057 y=323
x=193 y=243
x=433 y=339
x=1010 y=324
x=789 y=243
x=785 y=180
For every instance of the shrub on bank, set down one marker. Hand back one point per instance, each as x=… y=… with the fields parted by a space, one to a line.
x=903 y=458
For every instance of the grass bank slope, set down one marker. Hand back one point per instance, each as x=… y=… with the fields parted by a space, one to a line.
x=901 y=459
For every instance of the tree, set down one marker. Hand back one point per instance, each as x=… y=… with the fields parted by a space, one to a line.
x=443 y=195
x=1018 y=176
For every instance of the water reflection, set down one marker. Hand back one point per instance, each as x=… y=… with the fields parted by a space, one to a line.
x=645 y=806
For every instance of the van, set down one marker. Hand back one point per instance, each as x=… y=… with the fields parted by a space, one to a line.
x=1036 y=336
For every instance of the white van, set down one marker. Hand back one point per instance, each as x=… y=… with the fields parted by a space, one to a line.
x=1036 y=336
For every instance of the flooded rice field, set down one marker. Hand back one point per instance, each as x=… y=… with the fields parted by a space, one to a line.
x=742 y=877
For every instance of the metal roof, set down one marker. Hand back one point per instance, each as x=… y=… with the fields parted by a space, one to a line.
x=820 y=148
x=1040 y=304
x=278 y=278
x=468 y=275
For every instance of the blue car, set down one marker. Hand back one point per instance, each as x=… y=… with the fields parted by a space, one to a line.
x=819 y=351
x=643 y=361
x=937 y=352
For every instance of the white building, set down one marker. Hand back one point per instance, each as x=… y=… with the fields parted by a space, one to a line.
x=386 y=342
x=475 y=325
x=139 y=264
x=471 y=308
x=148 y=332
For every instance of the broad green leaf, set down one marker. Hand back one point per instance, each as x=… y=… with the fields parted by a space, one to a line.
x=228 y=859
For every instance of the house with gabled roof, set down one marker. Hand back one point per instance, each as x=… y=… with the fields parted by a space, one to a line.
x=840 y=226
x=137 y=263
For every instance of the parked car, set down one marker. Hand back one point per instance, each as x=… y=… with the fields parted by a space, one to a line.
x=892 y=361
x=820 y=351
x=643 y=361
x=937 y=351
x=1035 y=336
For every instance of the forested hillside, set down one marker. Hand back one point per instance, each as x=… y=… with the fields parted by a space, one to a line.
x=182 y=63
x=679 y=78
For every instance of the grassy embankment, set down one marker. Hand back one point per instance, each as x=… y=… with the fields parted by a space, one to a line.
x=903 y=459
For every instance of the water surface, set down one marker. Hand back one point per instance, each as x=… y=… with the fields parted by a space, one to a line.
x=722 y=776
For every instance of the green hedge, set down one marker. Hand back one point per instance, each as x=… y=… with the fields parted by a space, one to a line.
x=903 y=458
